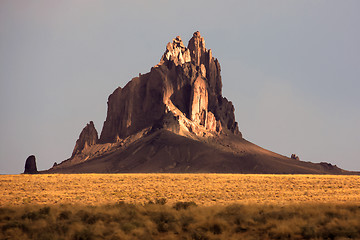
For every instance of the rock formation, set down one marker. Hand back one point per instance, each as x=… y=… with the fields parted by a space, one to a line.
x=295 y=157
x=186 y=82
x=175 y=119
x=30 y=165
x=88 y=137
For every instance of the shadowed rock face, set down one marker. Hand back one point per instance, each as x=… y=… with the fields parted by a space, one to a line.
x=30 y=165
x=187 y=81
x=88 y=137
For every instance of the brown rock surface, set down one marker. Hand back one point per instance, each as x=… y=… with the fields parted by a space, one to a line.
x=88 y=137
x=165 y=151
x=176 y=52
x=294 y=156
x=30 y=165
x=199 y=101
x=197 y=49
x=187 y=78
x=211 y=122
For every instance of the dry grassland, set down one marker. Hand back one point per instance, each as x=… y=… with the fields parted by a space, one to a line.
x=179 y=206
x=203 y=189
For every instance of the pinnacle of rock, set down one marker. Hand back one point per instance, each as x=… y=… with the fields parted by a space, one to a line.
x=88 y=137
x=30 y=165
x=197 y=49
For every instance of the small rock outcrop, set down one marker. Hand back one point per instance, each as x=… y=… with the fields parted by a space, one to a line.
x=328 y=166
x=295 y=157
x=30 y=165
x=88 y=137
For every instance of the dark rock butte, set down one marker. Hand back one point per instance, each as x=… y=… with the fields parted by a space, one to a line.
x=175 y=119
x=30 y=165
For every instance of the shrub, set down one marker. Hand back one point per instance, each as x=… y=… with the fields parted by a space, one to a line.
x=184 y=205
x=36 y=215
x=164 y=220
x=185 y=221
x=84 y=234
x=64 y=215
x=181 y=221
x=216 y=228
x=161 y=201
x=32 y=216
x=44 y=211
x=15 y=224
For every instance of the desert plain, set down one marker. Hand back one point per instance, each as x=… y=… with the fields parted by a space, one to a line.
x=204 y=189
x=179 y=206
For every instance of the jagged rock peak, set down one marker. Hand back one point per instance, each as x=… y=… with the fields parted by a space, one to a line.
x=197 y=49
x=30 y=165
x=186 y=84
x=88 y=137
x=176 y=52
x=195 y=52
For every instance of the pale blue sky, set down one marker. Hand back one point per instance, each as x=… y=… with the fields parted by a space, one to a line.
x=291 y=69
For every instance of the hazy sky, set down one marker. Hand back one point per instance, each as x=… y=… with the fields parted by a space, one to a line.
x=291 y=69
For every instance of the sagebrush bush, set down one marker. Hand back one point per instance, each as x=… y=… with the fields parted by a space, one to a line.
x=184 y=205
x=183 y=220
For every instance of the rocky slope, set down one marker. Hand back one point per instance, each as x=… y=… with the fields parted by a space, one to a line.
x=175 y=119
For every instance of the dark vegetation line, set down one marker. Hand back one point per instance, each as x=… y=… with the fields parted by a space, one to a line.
x=183 y=220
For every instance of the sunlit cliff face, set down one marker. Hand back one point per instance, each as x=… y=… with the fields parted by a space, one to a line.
x=185 y=85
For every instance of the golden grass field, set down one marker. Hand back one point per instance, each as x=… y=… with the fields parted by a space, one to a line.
x=179 y=206
x=204 y=189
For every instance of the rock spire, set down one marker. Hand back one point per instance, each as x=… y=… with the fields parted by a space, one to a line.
x=30 y=165
x=88 y=137
x=186 y=83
